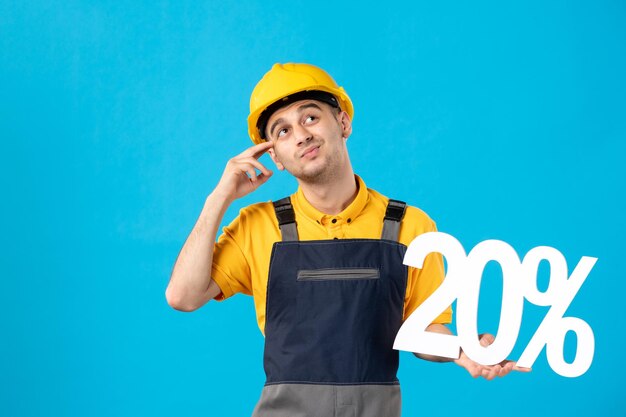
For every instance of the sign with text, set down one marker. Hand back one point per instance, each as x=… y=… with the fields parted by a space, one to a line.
x=462 y=283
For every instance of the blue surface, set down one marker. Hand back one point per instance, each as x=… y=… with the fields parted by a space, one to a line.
x=500 y=120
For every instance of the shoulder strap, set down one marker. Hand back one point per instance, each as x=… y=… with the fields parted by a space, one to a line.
x=286 y=219
x=393 y=217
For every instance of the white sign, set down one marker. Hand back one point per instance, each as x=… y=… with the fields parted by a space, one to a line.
x=462 y=283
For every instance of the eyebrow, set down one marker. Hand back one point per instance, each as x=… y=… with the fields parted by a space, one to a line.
x=300 y=110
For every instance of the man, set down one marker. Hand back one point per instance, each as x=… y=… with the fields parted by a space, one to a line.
x=324 y=266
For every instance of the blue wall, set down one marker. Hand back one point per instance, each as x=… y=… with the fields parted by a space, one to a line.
x=502 y=121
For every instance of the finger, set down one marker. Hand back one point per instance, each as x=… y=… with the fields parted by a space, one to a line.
x=251 y=173
x=513 y=366
x=507 y=366
x=474 y=370
x=262 y=179
x=521 y=369
x=253 y=162
x=505 y=369
x=248 y=168
x=494 y=372
x=257 y=150
x=486 y=339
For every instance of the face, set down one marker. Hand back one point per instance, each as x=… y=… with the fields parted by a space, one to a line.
x=310 y=140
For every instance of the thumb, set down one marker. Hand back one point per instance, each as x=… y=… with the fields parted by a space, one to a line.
x=486 y=339
x=262 y=178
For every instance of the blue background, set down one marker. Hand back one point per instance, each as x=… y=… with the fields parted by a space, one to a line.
x=499 y=120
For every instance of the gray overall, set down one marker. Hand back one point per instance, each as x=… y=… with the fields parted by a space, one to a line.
x=333 y=310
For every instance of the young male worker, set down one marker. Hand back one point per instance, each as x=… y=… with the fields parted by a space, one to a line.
x=324 y=266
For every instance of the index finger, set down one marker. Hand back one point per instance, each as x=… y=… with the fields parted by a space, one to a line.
x=512 y=366
x=257 y=150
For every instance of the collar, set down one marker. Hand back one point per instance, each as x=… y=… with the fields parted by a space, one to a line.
x=351 y=212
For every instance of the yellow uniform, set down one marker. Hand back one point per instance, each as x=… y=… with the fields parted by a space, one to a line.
x=242 y=253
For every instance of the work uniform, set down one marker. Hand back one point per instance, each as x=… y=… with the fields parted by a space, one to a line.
x=331 y=305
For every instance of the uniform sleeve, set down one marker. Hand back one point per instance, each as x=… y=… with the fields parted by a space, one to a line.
x=422 y=283
x=230 y=269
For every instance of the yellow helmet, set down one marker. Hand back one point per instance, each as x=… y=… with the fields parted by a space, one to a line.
x=284 y=80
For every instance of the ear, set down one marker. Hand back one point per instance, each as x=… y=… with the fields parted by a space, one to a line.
x=275 y=159
x=346 y=124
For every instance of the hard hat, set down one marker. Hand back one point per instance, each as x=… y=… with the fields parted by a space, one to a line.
x=285 y=80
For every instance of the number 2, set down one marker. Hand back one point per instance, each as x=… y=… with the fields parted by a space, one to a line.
x=412 y=335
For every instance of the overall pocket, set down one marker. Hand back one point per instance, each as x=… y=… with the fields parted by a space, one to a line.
x=330 y=274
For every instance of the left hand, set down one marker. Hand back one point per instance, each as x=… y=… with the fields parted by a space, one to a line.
x=488 y=372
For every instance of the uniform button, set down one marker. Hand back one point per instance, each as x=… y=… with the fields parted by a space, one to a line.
x=334 y=220
x=349 y=220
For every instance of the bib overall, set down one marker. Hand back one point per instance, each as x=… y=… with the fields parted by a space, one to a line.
x=333 y=310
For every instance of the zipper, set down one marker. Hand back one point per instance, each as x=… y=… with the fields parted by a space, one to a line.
x=330 y=274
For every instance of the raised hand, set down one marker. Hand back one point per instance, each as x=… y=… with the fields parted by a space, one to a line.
x=240 y=177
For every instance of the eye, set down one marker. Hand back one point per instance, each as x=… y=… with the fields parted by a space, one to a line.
x=281 y=132
x=310 y=118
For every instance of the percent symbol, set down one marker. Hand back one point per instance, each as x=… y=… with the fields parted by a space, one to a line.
x=559 y=295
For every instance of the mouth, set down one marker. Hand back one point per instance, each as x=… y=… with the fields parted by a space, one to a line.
x=310 y=152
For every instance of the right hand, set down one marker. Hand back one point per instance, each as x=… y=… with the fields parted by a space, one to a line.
x=488 y=372
x=240 y=177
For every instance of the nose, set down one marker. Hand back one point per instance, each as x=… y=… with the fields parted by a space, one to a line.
x=301 y=135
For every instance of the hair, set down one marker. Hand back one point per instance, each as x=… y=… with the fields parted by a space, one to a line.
x=321 y=96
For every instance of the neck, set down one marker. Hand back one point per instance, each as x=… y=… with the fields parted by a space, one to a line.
x=333 y=197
